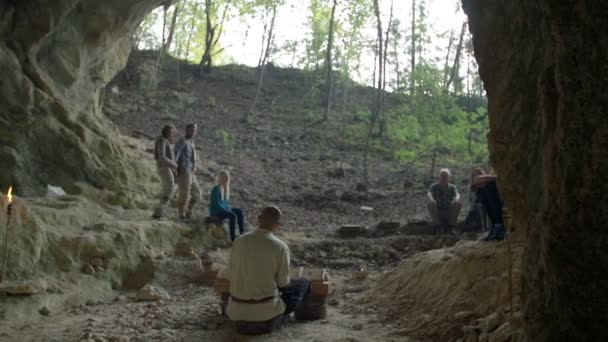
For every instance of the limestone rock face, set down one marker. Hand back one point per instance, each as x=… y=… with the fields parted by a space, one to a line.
x=55 y=58
x=543 y=66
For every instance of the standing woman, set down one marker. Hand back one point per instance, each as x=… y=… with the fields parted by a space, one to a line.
x=219 y=205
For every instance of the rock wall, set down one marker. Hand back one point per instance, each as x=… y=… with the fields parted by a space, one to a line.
x=55 y=58
x=543 y=64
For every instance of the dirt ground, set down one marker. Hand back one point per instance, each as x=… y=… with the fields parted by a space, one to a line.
x=193 y=314
x=316 y=182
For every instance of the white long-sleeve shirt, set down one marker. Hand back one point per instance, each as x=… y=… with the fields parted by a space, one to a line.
x=258 y=266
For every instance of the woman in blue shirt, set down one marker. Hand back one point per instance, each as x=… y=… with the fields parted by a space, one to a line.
x=219 y=205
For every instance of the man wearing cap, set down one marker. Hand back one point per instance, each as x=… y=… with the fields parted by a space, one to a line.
x=258 y=270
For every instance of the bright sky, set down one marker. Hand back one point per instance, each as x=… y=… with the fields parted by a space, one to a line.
x=243 y=41
x=242 y=36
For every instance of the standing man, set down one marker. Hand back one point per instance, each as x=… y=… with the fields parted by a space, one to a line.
x=185 y=155
x=258 y=271
x=166 y=166
x=443 y=203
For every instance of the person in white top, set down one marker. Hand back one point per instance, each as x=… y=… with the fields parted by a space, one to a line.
x=258 y=270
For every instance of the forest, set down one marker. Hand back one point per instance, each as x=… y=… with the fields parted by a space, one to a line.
x=428 y=102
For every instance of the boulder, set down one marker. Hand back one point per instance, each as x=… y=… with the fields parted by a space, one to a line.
x=489 y=323
x=54 y=191
x=502 y=334
x=24 y=287
x=351 y=231
x=388 y=227
x=44 y=311
x=142 y=275
x=463 y=315
x=351 y=196
x=418 y=228
x=151 y=293
x=184 y=249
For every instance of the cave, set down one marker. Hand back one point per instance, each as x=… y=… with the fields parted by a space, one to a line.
x=544 y=70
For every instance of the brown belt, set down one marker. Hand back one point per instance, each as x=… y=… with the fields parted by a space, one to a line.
x=252 y=301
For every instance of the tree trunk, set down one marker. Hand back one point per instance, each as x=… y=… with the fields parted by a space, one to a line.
x=434 y=157
x=329 y=84
x=167 y=44
x=377 y=101
x=161 y=51
x=413 y=52
x=384 y=123
x=456 y=66
x=261 y=58
x=192 y=26
x=207 y=59
x=264 y=62
x=446 y=67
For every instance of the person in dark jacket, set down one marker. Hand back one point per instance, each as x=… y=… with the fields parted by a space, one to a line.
x=477 y=217
x=219 y=205
x=489 y=196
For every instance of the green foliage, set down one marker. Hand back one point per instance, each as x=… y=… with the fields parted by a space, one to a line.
x=225 y=138
x=431 y=123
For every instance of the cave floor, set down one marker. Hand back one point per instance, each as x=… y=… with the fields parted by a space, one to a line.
x=192 y=314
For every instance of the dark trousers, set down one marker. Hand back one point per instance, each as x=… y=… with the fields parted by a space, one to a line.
x=294 y=293
x=489 y=196
x=235 y=215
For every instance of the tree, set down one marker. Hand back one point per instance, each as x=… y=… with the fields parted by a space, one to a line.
x=378 y=99
x=456 y=66
x=329 y=84
x=213 y=33
x=167 y=43
x=413 y=52
x=384 y=122
x=263 y=61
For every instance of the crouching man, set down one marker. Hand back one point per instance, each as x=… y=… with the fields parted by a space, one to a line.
x=261 y=293
x=444 y=206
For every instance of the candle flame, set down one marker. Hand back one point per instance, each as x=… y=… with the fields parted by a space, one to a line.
x=9 y=194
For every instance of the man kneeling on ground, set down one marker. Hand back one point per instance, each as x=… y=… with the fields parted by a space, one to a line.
x=443 y=203
x=258 y=271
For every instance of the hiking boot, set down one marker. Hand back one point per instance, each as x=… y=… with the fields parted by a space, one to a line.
x=497 y=233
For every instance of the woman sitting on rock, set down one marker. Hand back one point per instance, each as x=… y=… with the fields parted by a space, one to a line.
x=477 y=217
x=219 y=205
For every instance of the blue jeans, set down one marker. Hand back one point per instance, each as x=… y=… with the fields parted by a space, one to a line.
x=294 y=293
x=235 y=215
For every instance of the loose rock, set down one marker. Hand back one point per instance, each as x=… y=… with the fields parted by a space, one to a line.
x=489 y=323
x=150 y=293
x=502 y=334
x=44 y=311
x=24 y=287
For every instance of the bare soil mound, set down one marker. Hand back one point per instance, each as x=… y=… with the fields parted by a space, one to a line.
x=433 y=294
